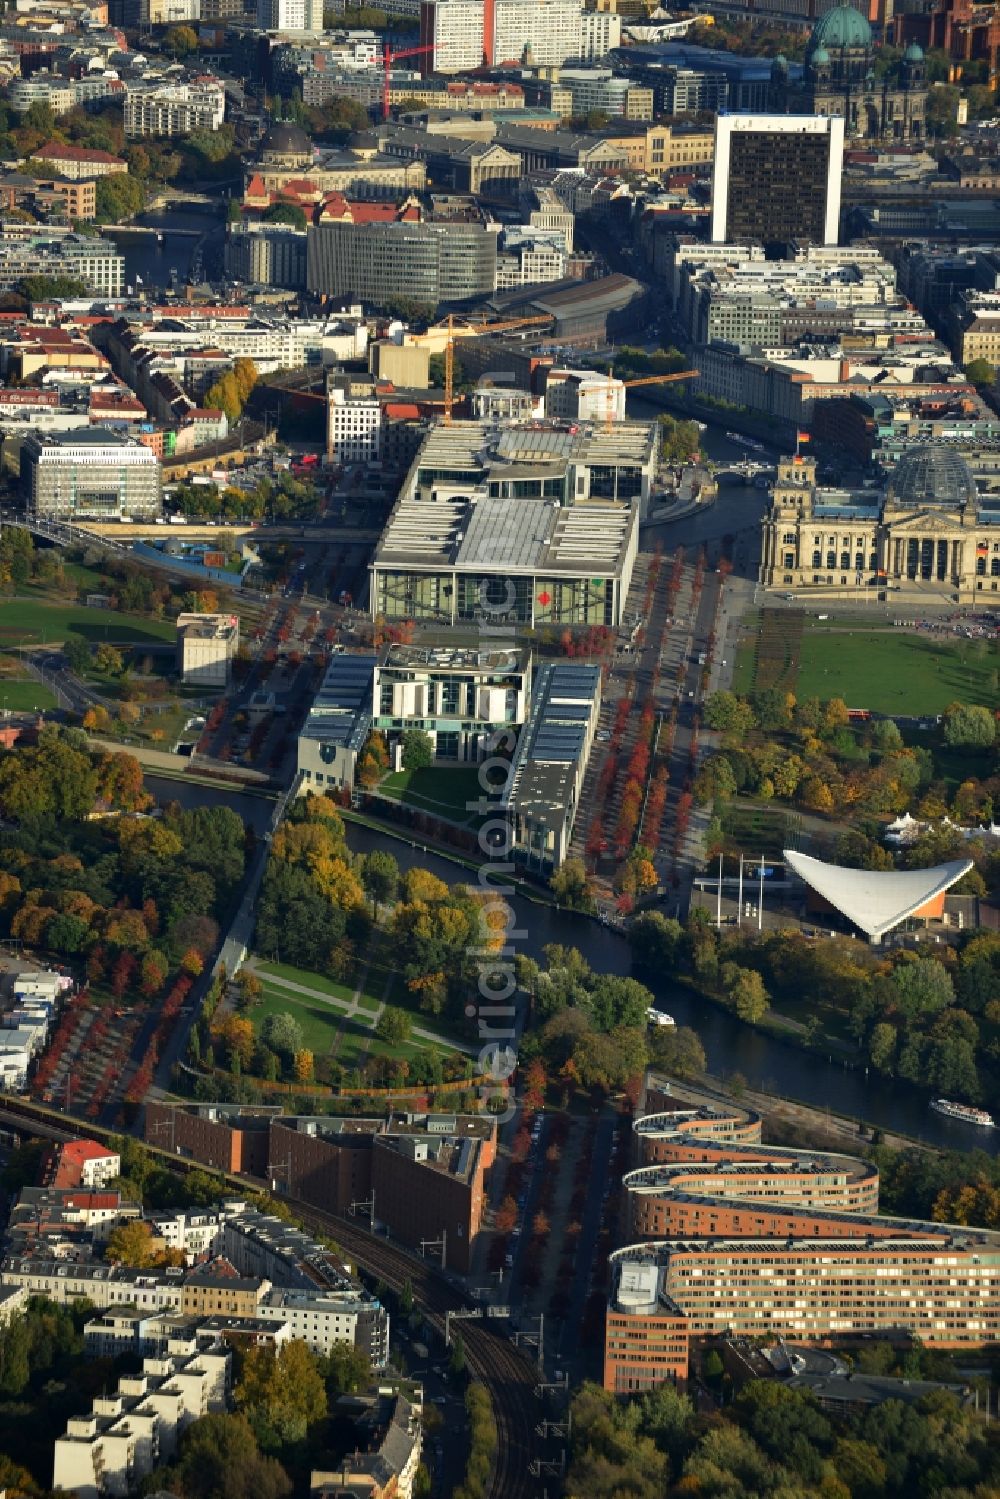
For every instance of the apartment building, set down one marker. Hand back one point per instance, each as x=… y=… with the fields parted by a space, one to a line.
x=267 y=255
x=354 y=428
x=78 y=163
x=601 y=90
x=528 y=257
x=158 y=108
x=461 y=698
x=96 y=262
x=290 y=15
x=129 y=1433
x=542 y=796
x=455 y=30
x=93 y=472
x=82 y=1163
x=600 y=33
x=582 y=395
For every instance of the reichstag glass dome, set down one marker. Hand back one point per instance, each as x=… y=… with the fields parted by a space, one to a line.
x=932 y=476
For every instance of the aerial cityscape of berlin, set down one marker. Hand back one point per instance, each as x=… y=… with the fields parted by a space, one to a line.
x=499 y=749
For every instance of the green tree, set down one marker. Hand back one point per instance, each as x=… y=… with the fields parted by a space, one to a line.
x=77 y=653
x=282 y=1392
x=181 y=41
x=286 y=213
x=218 y=1458
x=380 y=877
x=969 y=727
x=109 y=661
x=882 y=1046
x=677 y=1049
x=118 y=196
x=980 y=372
x=418 y=750
x=347 y=1370
x=282 y=1034
x=745 y=988
x=15 y=1349
x=655 y=941
x=393 y=1026
x=571 y=885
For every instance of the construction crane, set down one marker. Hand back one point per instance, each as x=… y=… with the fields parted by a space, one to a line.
x=631 y=384
x=484 y=327
x=389 y=56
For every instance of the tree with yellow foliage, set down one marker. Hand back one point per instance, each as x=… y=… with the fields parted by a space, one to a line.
x=302 y=1066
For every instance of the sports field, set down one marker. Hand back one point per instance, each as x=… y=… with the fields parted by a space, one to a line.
x=883 y=670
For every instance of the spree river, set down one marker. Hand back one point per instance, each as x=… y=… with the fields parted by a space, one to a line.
x=729 y=1045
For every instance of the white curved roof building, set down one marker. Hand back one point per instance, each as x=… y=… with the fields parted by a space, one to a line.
x=875 y=900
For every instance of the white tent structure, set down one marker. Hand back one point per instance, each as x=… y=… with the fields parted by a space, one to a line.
x=876 y=900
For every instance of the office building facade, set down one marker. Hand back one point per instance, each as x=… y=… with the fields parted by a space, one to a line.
x=777 y=179
x=423 y=264
x=92 y=473
x=764 y=1242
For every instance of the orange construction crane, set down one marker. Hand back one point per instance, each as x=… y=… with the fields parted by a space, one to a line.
x=643 y=380
x=484 y=327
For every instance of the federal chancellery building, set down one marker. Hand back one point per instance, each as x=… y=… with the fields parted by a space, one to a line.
x=927 y=529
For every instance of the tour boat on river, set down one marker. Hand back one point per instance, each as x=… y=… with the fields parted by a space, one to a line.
x=963 y=1111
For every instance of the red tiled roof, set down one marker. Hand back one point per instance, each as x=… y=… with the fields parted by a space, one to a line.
x=56 y=152
x=402 y=411
x=71 y=1159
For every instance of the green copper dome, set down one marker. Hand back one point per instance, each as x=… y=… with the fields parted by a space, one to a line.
x=821 y=55
x=841 y=27
x=913 y=53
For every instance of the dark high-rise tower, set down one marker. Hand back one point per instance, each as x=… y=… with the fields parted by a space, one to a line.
x=777 y=178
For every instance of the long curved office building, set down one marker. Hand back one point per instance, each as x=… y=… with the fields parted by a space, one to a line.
x=732 y=1236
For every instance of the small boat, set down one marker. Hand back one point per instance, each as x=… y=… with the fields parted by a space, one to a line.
x=963 y=1112
x=659 y=1017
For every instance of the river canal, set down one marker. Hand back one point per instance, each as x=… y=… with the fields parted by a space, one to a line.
x=730 y=1046
x=148 y=263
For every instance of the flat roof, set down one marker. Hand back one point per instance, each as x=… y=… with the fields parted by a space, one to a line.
x=523 y=537
x=553 y=740
x=876 y=900
x=341 y=709
x=435 y=658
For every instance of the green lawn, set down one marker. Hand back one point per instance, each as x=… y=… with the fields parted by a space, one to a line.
x=446 y=789
x=743 y=668
x=23 y=622
x=758 y=830
x=22 y=695
x=319 y=1023
x=343 y=992
x=893 y=672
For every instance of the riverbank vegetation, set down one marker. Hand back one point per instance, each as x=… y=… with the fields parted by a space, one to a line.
x=933 y=1021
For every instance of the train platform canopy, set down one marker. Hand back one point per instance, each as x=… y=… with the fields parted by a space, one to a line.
x=876 y=901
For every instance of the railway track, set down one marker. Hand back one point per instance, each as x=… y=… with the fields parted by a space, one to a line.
x=509 y=1377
